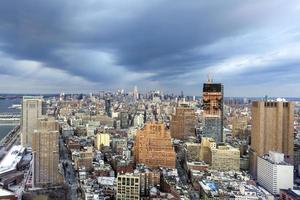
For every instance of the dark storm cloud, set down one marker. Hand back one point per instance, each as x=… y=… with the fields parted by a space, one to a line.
x=110 y=42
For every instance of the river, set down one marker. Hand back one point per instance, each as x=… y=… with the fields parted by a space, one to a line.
x=4 y=104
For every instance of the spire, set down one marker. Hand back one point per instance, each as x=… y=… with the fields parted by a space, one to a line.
x=209 y=78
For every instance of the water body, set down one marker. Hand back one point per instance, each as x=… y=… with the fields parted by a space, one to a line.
x=4 y=104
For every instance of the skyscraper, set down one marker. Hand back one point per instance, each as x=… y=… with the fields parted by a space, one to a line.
x=183 y=123
x=45 y=148
x=135 y=93
x=108 y=106
x=213 y=110
x=153 y=146
x=272 y=130
x=31 y=112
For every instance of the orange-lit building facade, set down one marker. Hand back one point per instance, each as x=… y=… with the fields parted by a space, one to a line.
x=153 y=146
x=213 y=110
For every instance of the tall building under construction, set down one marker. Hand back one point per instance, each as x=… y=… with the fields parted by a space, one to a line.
x=213 y=110
x=45 y=148
x=272 y=130
x=153 y=146
x=183 y=123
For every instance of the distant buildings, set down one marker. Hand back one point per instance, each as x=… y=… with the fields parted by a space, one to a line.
x=128 y=187
x=273 y=173
x=153 y=146
x=31 y=112
x=108 y=107
x=183 y=123
x=46 y=154
x=272 y=130
x=239 y=125
x=213 y=110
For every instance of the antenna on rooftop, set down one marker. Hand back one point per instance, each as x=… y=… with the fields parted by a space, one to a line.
x=209 y=78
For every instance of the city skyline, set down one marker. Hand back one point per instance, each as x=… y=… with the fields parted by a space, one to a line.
x=51 y=47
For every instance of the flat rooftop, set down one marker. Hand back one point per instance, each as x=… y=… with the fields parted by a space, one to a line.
x=11 y=159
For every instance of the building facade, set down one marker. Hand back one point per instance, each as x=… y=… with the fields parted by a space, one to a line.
x=102 y=140
x=272 y=130
x=225 y=158
x=273 y=173
x=153 y=146
x=128 y=187
x=31 y=112
x=205 y=146
x=183 y=123
x=213 y=110
x=45 y=148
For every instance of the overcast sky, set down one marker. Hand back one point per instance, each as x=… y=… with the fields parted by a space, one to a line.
x=252 y=47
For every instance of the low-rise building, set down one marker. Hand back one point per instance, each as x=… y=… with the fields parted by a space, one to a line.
x=224 y=157
x=128 y=187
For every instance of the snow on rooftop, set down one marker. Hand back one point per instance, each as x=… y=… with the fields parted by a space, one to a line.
x=5 y=192
x=11 y=159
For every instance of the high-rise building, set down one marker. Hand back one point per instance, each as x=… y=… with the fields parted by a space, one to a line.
x=128 y=187
x=108 y=107
x=273 y=173
x=135 y=93
x=272 y=130
x=45 y=148
x=213 y=110
x=183 y=123
x=31 y=112
x=239 y=125
x=124 y=118
x=153 y=146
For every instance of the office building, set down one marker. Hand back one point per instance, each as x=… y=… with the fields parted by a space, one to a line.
x=124 y=118
x=153 y=146
x=273 y=173
x=45 y=148
x=272 y=130
x=192 y=151
x=128 y=187
x=239 y=125
x=102 y=140
x=183 y=123
x=213 y=110
x=224 y=157
x=205 y=146
x=135 y=93
x=108 y=107
x=31 y=112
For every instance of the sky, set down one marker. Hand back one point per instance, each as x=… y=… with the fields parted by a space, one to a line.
x=251 y=46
